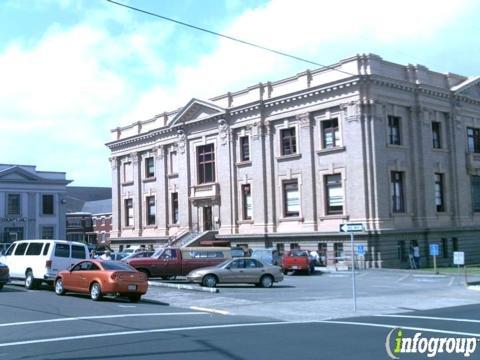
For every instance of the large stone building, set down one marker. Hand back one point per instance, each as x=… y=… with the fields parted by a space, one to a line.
x=284 y=163
x=32 y=204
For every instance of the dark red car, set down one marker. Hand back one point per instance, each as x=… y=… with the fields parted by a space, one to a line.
x=298 y=260
x=4 y=274
x=98 y=278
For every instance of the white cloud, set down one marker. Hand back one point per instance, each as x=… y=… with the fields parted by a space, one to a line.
x=304 y=28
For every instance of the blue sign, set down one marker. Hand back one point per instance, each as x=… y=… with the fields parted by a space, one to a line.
x=360 y=250
x=434 y=250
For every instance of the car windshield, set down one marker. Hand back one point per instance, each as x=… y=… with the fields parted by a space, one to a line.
x=157 y=253
x=222 y=264
x=115 y=265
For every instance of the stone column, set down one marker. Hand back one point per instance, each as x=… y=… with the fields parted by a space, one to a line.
x=259 y=193
x=184 y=180
x=224 y=164
x=116 y=198
x=161 y=199
x=137 y=192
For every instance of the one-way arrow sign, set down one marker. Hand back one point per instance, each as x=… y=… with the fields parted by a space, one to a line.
x=348 y=228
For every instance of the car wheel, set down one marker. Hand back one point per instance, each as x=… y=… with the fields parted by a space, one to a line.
x=210 y=281
x=59 y=289
x=95 y=291
x=169 y=277
x=134 y=298
x=266 y=281
x=30 y=282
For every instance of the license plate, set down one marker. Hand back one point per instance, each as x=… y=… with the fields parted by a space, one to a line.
x=295 y=267
x=132 y=287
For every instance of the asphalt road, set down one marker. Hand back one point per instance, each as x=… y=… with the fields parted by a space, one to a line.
x=41 y=325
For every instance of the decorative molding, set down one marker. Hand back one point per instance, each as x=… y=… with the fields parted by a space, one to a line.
x=159 y=153
x=223 y=131
x=304 y=119
x=134 y=156
x=113 y=162
x=181 y=140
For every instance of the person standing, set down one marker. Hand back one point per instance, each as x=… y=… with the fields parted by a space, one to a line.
x=416 y=256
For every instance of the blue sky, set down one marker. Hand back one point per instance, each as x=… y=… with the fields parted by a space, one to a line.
x=72 y=70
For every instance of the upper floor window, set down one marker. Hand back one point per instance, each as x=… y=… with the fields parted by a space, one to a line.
x=475 y=193
x=127 y=172
x=174 y=208
x=150 y=210
x=436 y=135
x=244 y=148
x=473 y=140
x=397 y=191
x=13 y=204
x=173 y=163
x=439 y=193
x=246 y=202
x=330 y=134
x=291 y=198
x=47 y=232
x=47 y=204
x=394 y=130
x=334 y=194
x=206 y=163
x=149 y=167
x=288 y=141
x=128 y=212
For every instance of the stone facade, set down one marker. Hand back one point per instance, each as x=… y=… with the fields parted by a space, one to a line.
x=32 y=204
x=365 y=140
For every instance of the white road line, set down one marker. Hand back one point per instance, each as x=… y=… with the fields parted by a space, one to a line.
x=429 y=318
x=138 y=332
x=98 y=317
x=214 y=311
x=451 y=281
x=403 y=278
x=388 y=326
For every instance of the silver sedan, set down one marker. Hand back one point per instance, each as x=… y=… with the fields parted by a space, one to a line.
x=238 y=271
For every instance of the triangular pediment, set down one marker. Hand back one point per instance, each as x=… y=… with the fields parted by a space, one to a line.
x=197 y=110
x=469 y=87
x=16 y=173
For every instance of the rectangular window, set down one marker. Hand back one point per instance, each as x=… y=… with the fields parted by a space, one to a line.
x=128 y=212
x=246 y=202
x=13 y=204
x=34 y=249
x=78 y=252
x=475 y=193
x=62 y=250
x=439 y=193
x=47 y=232
x=173 y=163
x=394 y=130
x=206 y=164
x=454 y=244
x=174 y=208
x=444 y=248
x=397 y=190
x=127 y=172
x=473 y=140
x=244 y=148
x=20 y=250
x=288 y=141
x=150 y=210
x=338 y=251
x=401 y=250
x=436 y=135
x=330 y=134
x=47 y=204
x=149 y=167
x=291 y=199
x=334 y=194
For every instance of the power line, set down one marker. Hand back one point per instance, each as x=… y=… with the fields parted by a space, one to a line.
x=230 y=37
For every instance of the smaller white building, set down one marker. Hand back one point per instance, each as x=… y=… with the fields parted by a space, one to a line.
x=32 y=204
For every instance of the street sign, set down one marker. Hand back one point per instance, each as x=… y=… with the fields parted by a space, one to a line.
x=458 y=258
x=360 y=250
x=434 y=250
x=349 y=228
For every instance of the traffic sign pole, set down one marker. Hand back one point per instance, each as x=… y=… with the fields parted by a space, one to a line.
x=353 y=274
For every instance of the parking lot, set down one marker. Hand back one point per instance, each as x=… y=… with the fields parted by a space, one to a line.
x=326 y=295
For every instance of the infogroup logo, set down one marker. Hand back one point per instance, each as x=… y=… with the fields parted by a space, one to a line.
x=431 y=346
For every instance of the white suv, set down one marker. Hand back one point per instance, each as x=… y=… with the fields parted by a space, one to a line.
x=37 y=261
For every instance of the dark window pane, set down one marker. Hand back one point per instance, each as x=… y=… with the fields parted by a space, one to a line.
x=20 y=250
x=34 y=249
x=78 y=252
x=62 y=250
x=47 y=204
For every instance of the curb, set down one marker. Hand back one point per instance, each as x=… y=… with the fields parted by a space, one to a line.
x=183 y=287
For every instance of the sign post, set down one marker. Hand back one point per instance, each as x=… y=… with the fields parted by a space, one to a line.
x=458 y=259
x=434 y=251
x=352 y=228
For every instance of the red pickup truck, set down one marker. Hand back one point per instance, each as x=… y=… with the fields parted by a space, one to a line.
x=171 y=262
x=298 y=260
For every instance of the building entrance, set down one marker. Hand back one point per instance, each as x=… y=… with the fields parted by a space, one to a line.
x=207 y=218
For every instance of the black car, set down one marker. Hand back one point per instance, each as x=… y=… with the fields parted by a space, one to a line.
x=4 y=274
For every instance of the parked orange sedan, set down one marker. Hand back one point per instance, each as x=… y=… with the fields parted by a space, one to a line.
x=98 y=278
